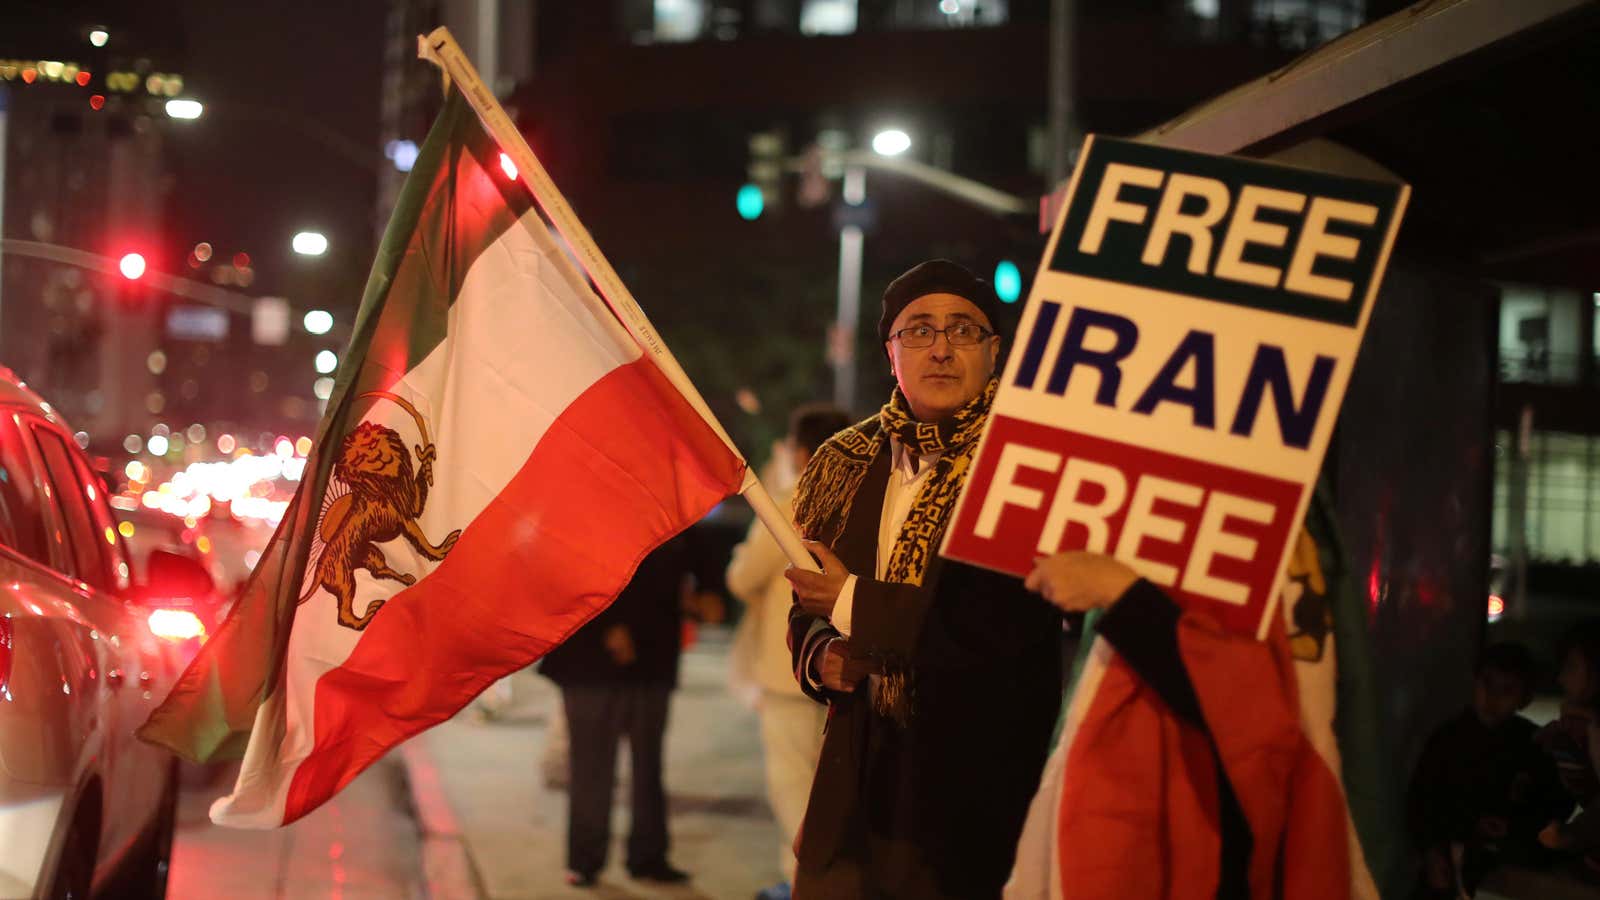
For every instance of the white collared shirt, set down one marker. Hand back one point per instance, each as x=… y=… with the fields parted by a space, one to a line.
x=906 y=475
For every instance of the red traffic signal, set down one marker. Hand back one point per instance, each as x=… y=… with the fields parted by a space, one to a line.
x=132 y=266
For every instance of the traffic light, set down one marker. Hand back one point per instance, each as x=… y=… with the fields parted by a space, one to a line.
x=131 y=266
x=750 y=202
x=765 y=173
x=1007 y=281
x=130 y=287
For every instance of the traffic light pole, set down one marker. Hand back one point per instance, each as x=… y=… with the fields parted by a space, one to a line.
x=222 y=298
x=851 y=245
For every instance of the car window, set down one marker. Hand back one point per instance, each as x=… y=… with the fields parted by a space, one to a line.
x=88 y=544
x=22 y=525
x=105 y=524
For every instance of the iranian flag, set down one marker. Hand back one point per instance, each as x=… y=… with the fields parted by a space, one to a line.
x=1128 y=804
x=501 y=449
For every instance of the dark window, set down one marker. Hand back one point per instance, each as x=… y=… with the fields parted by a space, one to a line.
x=73 y=498
x=21 y=519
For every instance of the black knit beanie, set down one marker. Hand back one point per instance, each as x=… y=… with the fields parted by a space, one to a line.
x=936 y=276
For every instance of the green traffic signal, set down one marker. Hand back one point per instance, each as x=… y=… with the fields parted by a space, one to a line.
x=1007 y=281
x=750 y=202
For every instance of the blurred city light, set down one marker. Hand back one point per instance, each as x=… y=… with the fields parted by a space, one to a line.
x=1007 y=281
x=156 y=362
x=302 y=446
x=99 y=36
x=81 y=438
x=402 y=153
x=133 y=443
x=950 y=7
x=508 y=167
x=891 y=142
x=196 y=433
x=327 y=361
x=1497 y=607
x=323 y=388
x=132 y=266
x=202 y=251
x=283 y=448
x=96 y=101
x=184 y=109
x=226 y=443
x=319 y=321
x=135 y=470
x=310 y=243
x=158 y=445
x=750 y=202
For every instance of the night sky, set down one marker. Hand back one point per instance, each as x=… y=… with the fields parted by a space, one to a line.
x=292 y=93
x=252 y=171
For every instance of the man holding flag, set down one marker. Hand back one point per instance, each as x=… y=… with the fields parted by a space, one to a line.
x=943 y=680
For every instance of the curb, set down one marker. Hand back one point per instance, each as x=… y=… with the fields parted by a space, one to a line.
x=447 y=869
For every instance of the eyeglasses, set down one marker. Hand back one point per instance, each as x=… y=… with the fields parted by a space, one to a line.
x=921 y=337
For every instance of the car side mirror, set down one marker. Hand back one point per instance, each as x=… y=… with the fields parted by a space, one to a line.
x=169 y=574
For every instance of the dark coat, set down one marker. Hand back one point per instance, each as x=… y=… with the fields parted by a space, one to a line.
x=932 y=809
x=649 y=607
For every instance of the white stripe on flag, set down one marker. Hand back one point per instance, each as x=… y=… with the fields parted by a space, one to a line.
x=523 y=343
x=1036 y=874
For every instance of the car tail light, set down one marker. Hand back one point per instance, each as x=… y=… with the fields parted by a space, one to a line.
x=176 y=624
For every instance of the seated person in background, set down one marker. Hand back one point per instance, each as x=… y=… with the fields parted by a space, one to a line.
x=1572 y=743
x=1481 y=789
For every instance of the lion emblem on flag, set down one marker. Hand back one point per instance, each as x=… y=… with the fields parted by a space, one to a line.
x=373 y=496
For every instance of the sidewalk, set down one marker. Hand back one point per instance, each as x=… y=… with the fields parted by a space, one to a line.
x=362 y=845
x=479 y=793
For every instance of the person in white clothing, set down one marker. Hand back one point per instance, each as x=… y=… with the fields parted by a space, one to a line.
x=791 y=723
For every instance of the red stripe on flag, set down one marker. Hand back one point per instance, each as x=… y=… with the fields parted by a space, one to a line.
x=625 y=467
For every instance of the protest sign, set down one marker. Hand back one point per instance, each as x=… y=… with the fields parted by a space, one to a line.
x=1178 y=371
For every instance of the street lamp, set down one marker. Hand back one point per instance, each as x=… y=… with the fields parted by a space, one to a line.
x=889 y=142
x=310 y=243
x=184 y=109
x=319 y=321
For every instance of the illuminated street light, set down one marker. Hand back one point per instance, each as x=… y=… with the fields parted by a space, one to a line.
x=319 y=321
x=184 y=109
x=891 y=142
x=310 y=243
x=327 y=361
x=98 y=37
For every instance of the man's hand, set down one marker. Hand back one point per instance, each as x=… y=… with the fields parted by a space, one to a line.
x=1078 y=581
x=818 y=591
x=837 y=671
x=619 y=643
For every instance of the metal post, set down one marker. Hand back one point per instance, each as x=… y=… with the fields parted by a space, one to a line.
x=1063 y=127
x=851 y=244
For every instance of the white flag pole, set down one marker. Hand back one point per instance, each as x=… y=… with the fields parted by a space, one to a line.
x=441 y=48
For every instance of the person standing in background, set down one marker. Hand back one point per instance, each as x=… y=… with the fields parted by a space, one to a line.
x=617 y=673
x=791 y=722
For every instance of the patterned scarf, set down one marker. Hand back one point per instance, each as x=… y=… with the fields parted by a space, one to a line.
x=828 y=488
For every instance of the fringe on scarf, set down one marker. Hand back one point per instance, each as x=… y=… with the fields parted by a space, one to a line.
x=826 y=493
